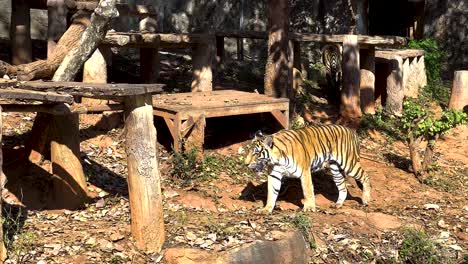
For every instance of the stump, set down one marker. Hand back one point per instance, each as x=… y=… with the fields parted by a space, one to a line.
x=459 y=96
x=395 y=90
x=147 y=220
x=367 y=84
x=350 y=106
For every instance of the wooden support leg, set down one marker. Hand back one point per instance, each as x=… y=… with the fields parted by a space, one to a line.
x=367 y=83
x=219 y=49
x=176 y=134
x=38 y=144
x=149 y=65
x=195 y=136
x=350 y=107
x=395 y=92
x=297 y=67
x=144 y=181
x=20 y=32
x=69 y=183
x=202 y=57
x=57 y=23
x=3 y=251
x=282 y=117
x=240 y=49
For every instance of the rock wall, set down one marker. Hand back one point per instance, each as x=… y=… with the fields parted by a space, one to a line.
x=446 y=21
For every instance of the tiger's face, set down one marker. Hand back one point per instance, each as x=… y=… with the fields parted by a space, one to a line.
x=259 y=153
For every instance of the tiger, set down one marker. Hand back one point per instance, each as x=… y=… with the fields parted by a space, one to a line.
x=331 y=58
x=298 y=153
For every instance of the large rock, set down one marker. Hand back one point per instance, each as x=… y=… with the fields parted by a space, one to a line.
x=291 y=248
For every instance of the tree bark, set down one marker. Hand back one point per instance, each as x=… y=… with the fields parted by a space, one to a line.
x=367 y=82
x=459 y=96
x=143 y=174
x=278 y=70
x=20 y=32
x=350 y=106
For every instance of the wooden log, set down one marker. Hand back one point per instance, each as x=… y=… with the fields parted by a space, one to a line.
x=69 y=183
x=459 y=96
x=277 y=72
x=57 y=23
x=154 y=40
x=202 y=60
x=144 y=183
x=395 y=91
x=3 y=180
x=20 y=32
x=88 y=42
x=367 y=83
x=350 y=106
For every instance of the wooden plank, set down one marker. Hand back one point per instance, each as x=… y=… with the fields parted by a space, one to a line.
x=144 y=180
x=88 y=89
x=154 y=40
x=47 y=97
x=405 y=53
x=60 y=109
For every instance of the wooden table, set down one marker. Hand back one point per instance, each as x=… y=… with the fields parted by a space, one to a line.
x=185 y=113
x=358 y=62
x=69 y=184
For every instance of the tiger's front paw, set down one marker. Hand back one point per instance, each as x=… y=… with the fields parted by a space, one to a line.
x=336 y=205
x=265 y=210
x=309 y=208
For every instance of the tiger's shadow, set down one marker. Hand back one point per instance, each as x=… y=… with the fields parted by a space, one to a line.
x=291 y=190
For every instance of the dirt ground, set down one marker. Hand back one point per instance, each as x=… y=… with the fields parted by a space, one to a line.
x=217 y=211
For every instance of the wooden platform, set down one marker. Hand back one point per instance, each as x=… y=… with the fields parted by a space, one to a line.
x=185 y=113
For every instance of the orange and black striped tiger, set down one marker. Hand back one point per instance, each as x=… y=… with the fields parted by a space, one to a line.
x=297 y=153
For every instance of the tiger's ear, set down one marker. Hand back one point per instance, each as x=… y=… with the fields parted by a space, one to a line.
x=268 y=141
x=258 y=134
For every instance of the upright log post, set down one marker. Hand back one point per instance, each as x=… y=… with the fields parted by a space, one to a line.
x=144 y=182
x=395 y=91
x=57 y=23
x=367 y=83
x=459 y=96
x=20 y=32
x=149 y=57
x=202 y=60
x=3 y=251
x=350 y=106
x=219 y=49
x=278 y=70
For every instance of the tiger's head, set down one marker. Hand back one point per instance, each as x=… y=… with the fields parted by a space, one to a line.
x=259 y=153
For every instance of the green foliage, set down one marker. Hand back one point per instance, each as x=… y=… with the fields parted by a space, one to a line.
x=185 y=166
x=433 y=57
x=419 y=123
x=19 y=243
x=303 y=224
x=388 y=125
x=417 y=248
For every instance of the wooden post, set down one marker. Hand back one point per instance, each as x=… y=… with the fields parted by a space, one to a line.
x=277 y=72
x=149 y=57
x=362 y=19
x=20 y=32
x=69 y=183
x=459 y=96
x=3 y=251
x=395 y=92
x=202 y=60
x=219 y=49
x=144 y=181
x=367 y=83
x=195 y=137
x=95 y=68
x=350 y=106
x=240 y=49
x=297 y=66
x=57 y=23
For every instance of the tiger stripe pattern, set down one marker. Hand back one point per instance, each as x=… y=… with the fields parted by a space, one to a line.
x=298 y=153
x=331 y=58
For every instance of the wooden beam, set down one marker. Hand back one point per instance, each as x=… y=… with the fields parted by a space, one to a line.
x=61 y=109
x=144 y=183
x=87 y=89
x=154 y=40
x=20 y=32
x=350 y=107
x=48 y=97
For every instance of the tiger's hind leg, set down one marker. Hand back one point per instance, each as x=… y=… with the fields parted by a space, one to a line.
x=361 y=176
x=339 y=180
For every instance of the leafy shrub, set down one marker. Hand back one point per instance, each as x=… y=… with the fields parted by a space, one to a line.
x=433 y=57
x=418 y=248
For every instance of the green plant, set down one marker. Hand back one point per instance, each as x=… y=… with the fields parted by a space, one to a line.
x=184 y=164
x=417 y=248
x=433 y=57
x=19 y=243
x=302 y=222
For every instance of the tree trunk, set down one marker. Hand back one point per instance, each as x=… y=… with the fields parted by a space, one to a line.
x=350 y=106
x=459 y=96
x=143 y=174
x=20 y=32
x=415 y=158
x=3 y=251
x=429 y=153
x=367 y=83
x=278 y=70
